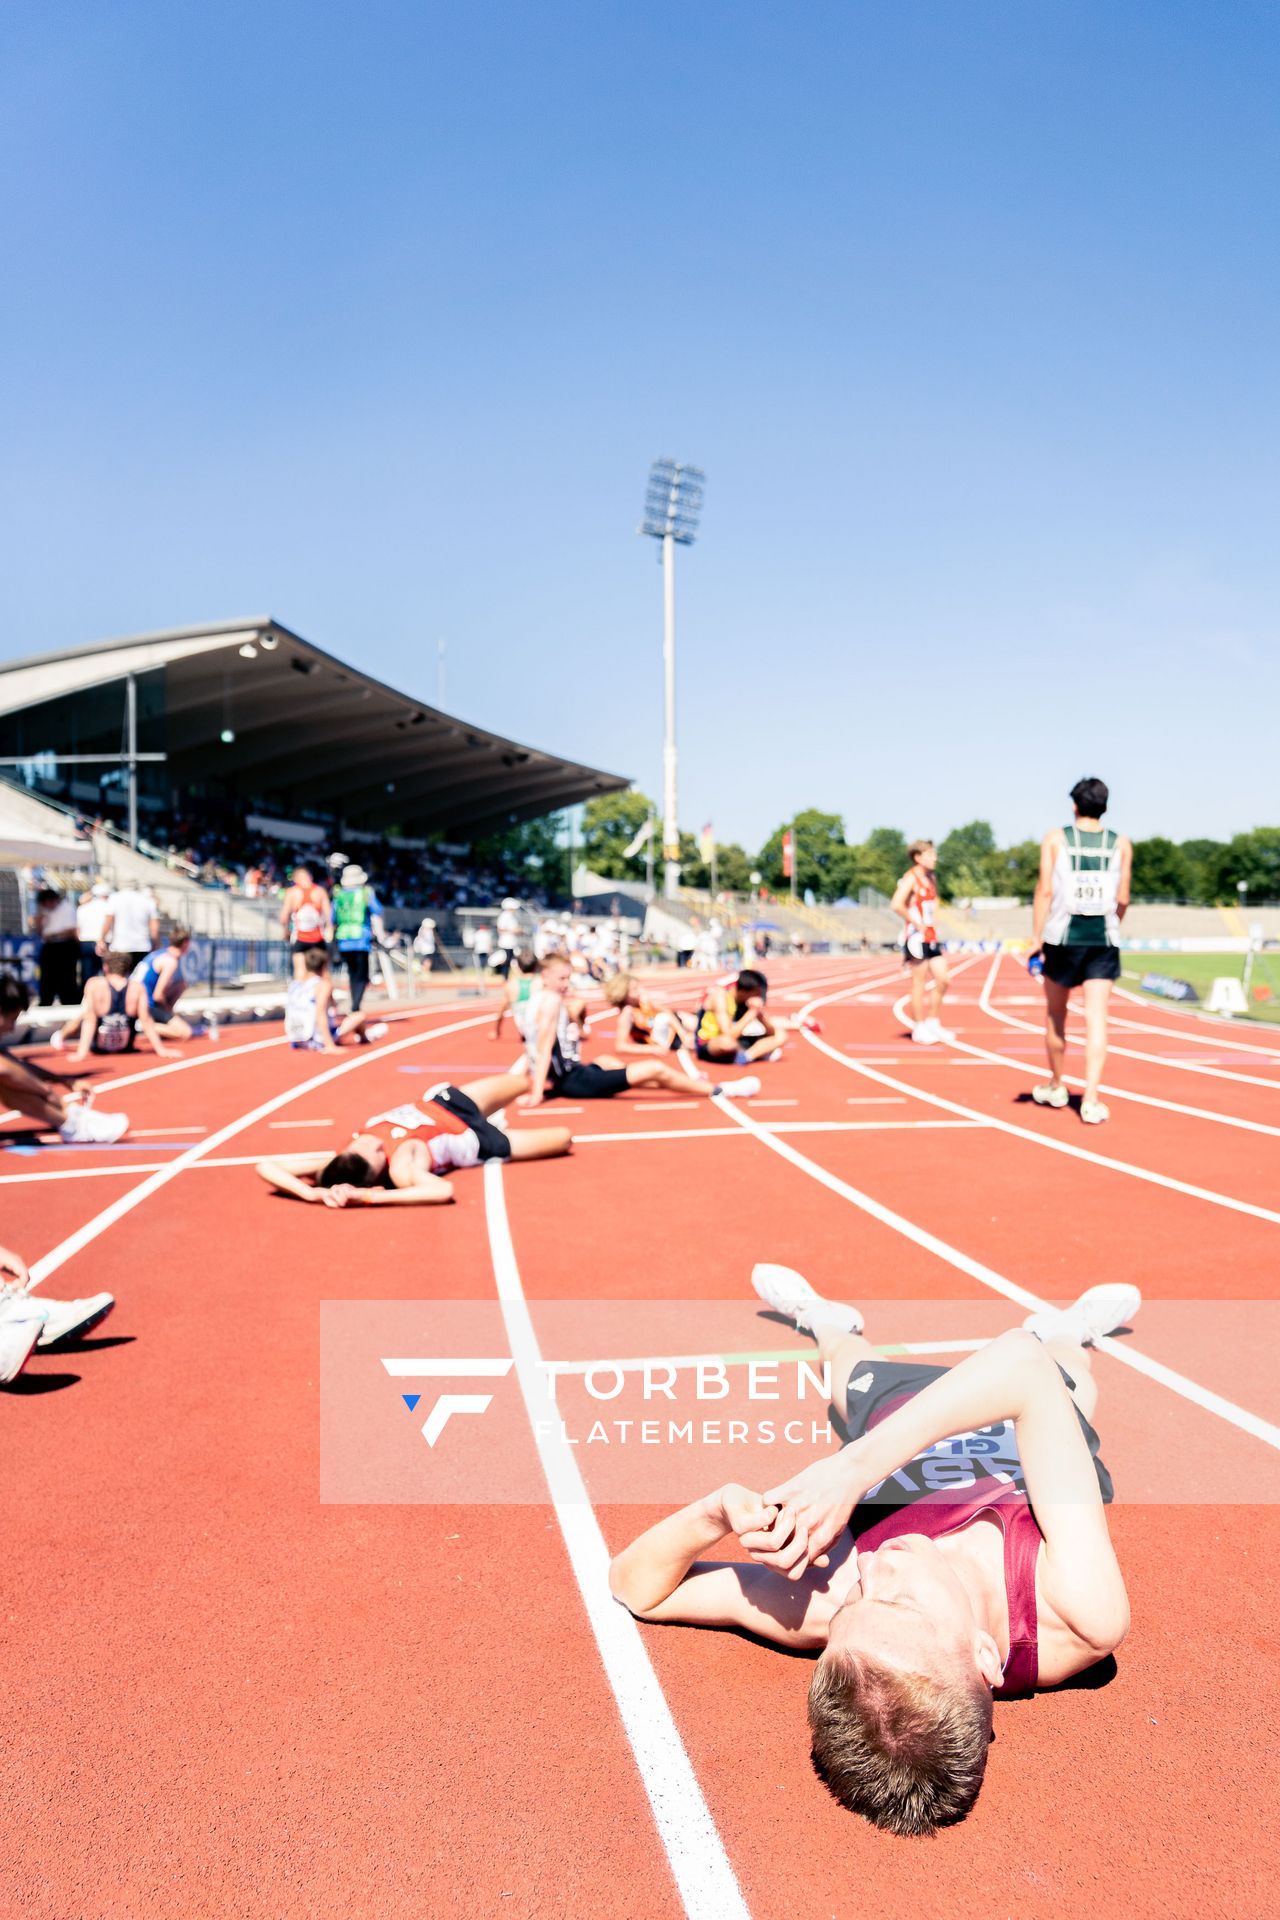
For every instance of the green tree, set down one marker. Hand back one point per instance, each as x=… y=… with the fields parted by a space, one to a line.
x=880 y=860
x=610 y=823
x=733 y=867
x=1159 y=872
x=1016 y=869
x=1255 y=859
x=824 y=860
x=533 y=847
x=1205 y=865
x=965 y=861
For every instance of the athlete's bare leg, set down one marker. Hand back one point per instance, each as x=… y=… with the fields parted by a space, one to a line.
x=497 y=1090
x=656 y=1073
x=1055 y=1031
x=939 y=980
x=919 y=981
x=845 y=1351
x=176 y=1028
x=1076 y=1361
x=1097 y=994
x=544 y=1143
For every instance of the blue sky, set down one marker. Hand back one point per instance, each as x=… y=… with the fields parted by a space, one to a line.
x=373 y=318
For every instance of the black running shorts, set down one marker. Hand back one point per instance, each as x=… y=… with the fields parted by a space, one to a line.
x=1072 y=966
x=589 y=1083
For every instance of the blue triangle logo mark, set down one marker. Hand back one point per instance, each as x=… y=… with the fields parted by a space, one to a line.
x=411 y=1400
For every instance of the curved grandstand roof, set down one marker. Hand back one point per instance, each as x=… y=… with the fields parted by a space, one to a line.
x=312 y=730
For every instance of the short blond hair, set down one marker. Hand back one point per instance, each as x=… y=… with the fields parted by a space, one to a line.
x=616 y=988
x=907 y=1751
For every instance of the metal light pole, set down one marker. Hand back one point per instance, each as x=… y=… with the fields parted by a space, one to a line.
x=672 y=508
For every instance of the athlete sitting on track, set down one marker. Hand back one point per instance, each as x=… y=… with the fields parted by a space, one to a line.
x=28 y=1320
x=60 y=1104
x=920 y=1613
x=114 y=1011
x=734 y=1025
x=915 y=901
x=310 y=1016
x=551 y=1028
x=397 y=1159
x=645 y=1026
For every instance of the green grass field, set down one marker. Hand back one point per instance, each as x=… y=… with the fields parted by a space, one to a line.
x=1202 y=969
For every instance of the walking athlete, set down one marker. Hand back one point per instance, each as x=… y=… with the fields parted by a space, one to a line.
x=1081 y=898
x=915 y=901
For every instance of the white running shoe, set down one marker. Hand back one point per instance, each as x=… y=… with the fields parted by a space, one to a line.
x=377 y=1030
x=942 y=1033
x=85 y=1128
x=1050 y=1096
x=19 y=1331
x=1094 y=1112
x=790 y=1294
x=744 y=1089
x=1097 y=1312
x=925 y=1033
x=69 y=1319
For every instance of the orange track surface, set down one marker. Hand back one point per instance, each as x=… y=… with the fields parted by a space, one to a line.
x=226 y=1698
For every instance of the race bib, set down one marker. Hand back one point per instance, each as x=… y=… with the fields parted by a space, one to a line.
x=307 y=920
x=1088 y=893
x=114 y=1033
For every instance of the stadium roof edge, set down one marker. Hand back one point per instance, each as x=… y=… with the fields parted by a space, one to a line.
x=318 y=738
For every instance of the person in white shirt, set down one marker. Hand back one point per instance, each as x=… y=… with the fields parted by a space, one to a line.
x=132 y=924
x=91 y=917
x=508 y=935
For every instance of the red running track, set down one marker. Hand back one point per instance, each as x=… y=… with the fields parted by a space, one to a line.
x=231 y=1699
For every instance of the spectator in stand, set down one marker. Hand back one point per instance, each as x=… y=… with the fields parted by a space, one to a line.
x=54 y=925
x=357 y=920
x=306 y=917
x=91 y=917
x=132 y=923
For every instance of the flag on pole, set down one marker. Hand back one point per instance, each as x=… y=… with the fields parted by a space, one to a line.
x=786 y=855
x=707 y=844
x=642 y=839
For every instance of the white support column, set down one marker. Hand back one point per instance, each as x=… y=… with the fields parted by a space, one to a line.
x=670 y=802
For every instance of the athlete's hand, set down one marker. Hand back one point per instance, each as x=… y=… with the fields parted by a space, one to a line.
x=814 y=1509
x=743 y=1511
x=530 y=1099
x=83 y=1087
x=13 y=1270
x=344 y=1196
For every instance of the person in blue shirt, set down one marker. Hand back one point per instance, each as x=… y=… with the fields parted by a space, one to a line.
x=357 y=923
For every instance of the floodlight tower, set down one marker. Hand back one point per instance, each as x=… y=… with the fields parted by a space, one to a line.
x=672 y=508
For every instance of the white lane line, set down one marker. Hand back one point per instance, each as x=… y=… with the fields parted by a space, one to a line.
x=705 y=1879
x=1221 y=1026
x=84 y=1236
x=1044 y=1140
x=774 y=1126
x=876 y=1100
x=665 y=1106
x=757 y=1102
x=997 y=1282
x=161 y=1133
x=1134 y=1053
x=278 y=1126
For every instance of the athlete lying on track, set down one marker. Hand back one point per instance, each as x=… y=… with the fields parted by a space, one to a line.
x=551 y=1027
x=927 y=1582
x=398 y=1158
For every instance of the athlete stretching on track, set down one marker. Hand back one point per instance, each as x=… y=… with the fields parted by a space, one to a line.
x=955 y=1549
x=551 y=1028
x=915 y=901
x=60 y=1104
x=1081 y=898
x=398 y=1157
x=645 y=1026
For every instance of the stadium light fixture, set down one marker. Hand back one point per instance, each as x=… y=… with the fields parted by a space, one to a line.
x=248 y=651
x=672 y=511
x=227 y=737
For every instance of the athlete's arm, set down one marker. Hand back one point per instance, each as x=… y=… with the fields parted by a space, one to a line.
x=1044 y=886
x=659 y=1577
x=89 y=1017
x=542 y=1058
x=902 y=895
x=138 y=1007
x=622 y=1041
x=1126 y=875
x=1005 y=1380
x=286 y=911
x=324 y=996
x=290 y=1174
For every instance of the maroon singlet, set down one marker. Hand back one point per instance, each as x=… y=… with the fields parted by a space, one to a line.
x=939 y=1513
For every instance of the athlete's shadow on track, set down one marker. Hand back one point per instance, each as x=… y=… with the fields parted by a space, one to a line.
x=1026 y=1100
x=31 y=1383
